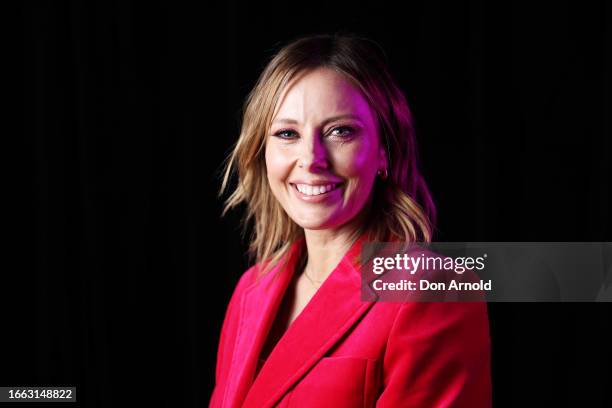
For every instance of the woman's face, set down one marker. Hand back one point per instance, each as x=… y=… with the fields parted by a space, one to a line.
x=323 y=150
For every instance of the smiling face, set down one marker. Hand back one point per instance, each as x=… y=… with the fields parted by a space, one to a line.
x=323 y=150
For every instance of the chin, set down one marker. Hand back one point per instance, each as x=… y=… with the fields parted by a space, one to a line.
x=316 y=227
x=318 y=222
x=314 y=223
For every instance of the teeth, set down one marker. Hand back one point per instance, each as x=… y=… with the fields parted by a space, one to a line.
x=314 y=190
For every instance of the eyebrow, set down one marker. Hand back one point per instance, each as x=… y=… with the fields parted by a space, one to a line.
x=325 y=122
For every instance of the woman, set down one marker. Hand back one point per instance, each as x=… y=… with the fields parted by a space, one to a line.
x=326 y=161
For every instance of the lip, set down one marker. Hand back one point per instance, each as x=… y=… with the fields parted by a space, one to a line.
x=315 y=198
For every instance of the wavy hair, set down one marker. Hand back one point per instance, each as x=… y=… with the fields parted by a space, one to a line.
x=404 y=207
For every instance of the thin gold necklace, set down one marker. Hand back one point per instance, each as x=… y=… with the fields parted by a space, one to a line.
x=312 y=281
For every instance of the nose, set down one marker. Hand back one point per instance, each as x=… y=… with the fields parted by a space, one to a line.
x=313 y=154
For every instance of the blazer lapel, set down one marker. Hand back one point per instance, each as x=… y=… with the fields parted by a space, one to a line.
x=330 y=313
x=257 y=311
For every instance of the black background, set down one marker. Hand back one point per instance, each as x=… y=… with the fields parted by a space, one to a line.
x=119 y=267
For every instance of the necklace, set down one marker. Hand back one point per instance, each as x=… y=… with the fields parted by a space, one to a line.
x=312 y=281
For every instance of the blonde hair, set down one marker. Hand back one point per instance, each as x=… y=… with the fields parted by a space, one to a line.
x=403 y=203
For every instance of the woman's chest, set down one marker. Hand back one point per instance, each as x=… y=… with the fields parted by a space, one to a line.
x=350 y=372
x=321 y=348
x=296 y=298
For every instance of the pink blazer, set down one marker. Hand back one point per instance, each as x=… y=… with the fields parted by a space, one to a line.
x=342 y=352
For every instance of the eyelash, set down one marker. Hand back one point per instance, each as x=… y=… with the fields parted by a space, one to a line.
x=345 y=136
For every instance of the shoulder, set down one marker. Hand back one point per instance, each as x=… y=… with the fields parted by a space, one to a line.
x=247 y=278
x=244 y=282
x=444 y=315
x=419 y=281
x=253 y=276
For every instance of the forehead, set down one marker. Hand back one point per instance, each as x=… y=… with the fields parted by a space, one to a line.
x=321 y=93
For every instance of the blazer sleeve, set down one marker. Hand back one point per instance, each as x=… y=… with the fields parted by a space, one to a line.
x=438 y=355
x=228 y=336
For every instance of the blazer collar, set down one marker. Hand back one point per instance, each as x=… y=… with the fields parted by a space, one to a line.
x=334 y=308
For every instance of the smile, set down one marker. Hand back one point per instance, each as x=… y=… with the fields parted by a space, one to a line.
x=312 y=193
x=315 y=190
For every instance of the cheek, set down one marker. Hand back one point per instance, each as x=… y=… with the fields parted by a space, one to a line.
x=356 y=161
x=277 y=164
x=358 y=165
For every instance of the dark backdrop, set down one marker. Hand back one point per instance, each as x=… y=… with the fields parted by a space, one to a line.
x=119 y=268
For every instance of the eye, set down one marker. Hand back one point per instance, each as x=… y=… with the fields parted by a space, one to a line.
x=342 y=132
x=285 y=134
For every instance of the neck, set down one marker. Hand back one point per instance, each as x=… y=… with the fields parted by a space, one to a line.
x=325 y=248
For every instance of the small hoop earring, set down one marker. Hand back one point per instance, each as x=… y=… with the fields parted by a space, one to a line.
x=383 y=173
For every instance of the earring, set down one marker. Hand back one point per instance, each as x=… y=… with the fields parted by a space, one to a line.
x=383 y=173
